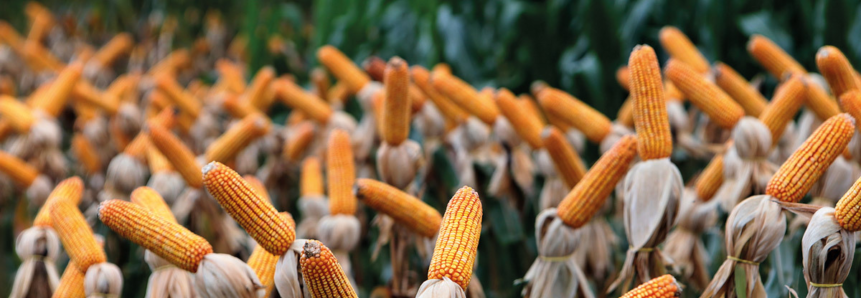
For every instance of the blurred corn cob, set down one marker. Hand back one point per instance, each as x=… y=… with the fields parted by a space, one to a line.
x=710 y=179
x=783 y=106
x=739 y=89
x=681 y=48
x=566 y=161
x=772 y=57
x=69 y=190
x=342 y=68
x=178 y=154
x=837 y=71
x=527 y=126
x=239 y=136
x=572 y=111
x=294 y=96
x=465 y=97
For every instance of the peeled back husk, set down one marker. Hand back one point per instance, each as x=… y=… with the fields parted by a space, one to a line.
x=36 y=247
x=555 y=272
x=167 y=280
x=746 y=166
x=222 y=275
x=684 y=244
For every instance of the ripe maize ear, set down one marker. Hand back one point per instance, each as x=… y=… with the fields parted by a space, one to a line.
x=848 y=212
x=86 y=154
x=54 y=99
x=575 y=113
x=18 y=170
x=298 y=141
x=181 y=98
x=343 y=68
x=531 y=106
x=465 y=97
x=237 y=106
x=322 y=272
x=340 y=174
x=40 y=58
x=71 y=283
x=258 y=187
x=153 y=202
x=239 y=136
x=441 y=68
x=851 y=102
x=396 y=106
x=625 y=116
x=118 y=45
x=820 y=103
x=587 y=197
x=311 y=181
x=705 y=95
x=457 y=242
x=659 y=287
x=157 y=162
x=650 y=109
x=787 y=100
x=710 y=179
x=837 y=71
x=263 y=263
x=405 y=209
x=421 y=77
x=772 y=57
x=69 y=190
x=739 y=89
x=89 y=94
x=525 y=124
x=623 y=77
x=566 y=160
x=295 y=97
x=178 y=154
x=17 y=113
x=256 y=92
x=77 y=238
x=230 y=75
x=681 y=48
x=798 y=174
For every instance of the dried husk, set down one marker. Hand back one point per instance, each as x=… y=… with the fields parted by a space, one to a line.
x=247 y=161
x=222 y=275
x=169 y=185
x=684 y=244
x=500 y=181
x=577 y=140
x=554 y=189
x=39 y=190
x=555 y=272
x=754 y=228
x=503 y=130
x=125 y=174
x=596 y=246
x=827 y=252
x=341 y=233
x=103 y=280
x=523 y=169
x=363 y=138
x=617 y=131
x=398 y=165
x=430 y=122
x=440 y=288
x=807 y=124
x=312 y=209
x=653 y=191
x=38 y=248
x=683 y=132
x=288 y=275
x=786 y=145
x=166 y=279
x=746 y=166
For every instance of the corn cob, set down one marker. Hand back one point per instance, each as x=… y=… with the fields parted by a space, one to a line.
x=320 y=80
x=119 y=44
x=7 y=86
x=89 y=94
x=71 y=283
x=851 y=102
x=837 y=71
x=18 y=170
x=456 y=245
x=416 y=97
x=11 y=37
x=571 y=110
x=256 y=92
x=739 y=89
x=650 y=110
x=263 y=263
x=258 y=187
x=772 y=57
x=396 y=111
x=322 y=272
x=566 y=160
x=340 y=174
x=170 y=64
x=405 y=209
x=671 y=92
x=298 y=141
x=342 y=68
x=54 y=99
x=798 y=174
x=86 y=154
x=18 y=114
x=165 y=238
x=153 y=202
x=257 y=216
x=5 y=129
x=77 y=238
x=237 y=106
x=311 y=181
x=69 y=190
x=787 y=100
x=562 y=125
x=525 y=124
x=623 y=77
x=625 y=116
x=338 y=93
x=239 y=136
x=231 y=75
x=659 y=287
x=295 y=97
x=179 y=155
x=465 y=97
x=584 y=200
x=377 y=104
x=421 y=77
x=157 y=162
x=441 y=68
x=705 y=95
x=531 y=106
x=42 y=21
x=681 y=48
x=820 y=103
x=41 y=58
x=710 y=179
x=847 y=211
x=181 y=98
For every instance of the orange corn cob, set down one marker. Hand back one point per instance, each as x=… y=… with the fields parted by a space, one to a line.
x=660 y=287
x=322 y=272
x=421 y=77
x=377 y=102
x=851 y=102
x=584 y=200
x=562 y=125
x=375 y=67
x=787 y=100
x=671 y=92
x=42 y=21
x=417 y=98
x=681 y=48
x=571 y=110
x=54 y=99
x=623 y=77
x=121 y=85
x=11 y=37
x=17 y=169
x=18 y=114
x=340 y=174
x=181 y=98
x=342 y=68
x=465 y=97
x=650 y=110
x=7 y=86
x=77 y=238
x=263 y=263
x=339 y=93
x=739 y=89
x=625 y=116
x=295 y=97
x=405 y=209
x=86 y=154
x=137 y=148
x=258 y=187
x=231 y=75
x=772 y=57
x=396 y=106
x=531 y=106
x=179 y=155
x=298 y=141
x=171 y=64
x=798 y=174
x=89 y=94
x=71 y=283
x=311 y=180
x=237 y=106
x=255 y=214
x=157 y=162
x=526 y=126
x=847 y=211
x=566 y=160
x=256 y=92
x=239 y=136
x=441 y=68
x=69 y=190
x=118 y=45
x=710 y=179
x=457 y=242
x=320 y=80
x=153 y=202
x=820 y=103
x=837 y=71
x=163 y=237
x=41 y=58
x=705 y=95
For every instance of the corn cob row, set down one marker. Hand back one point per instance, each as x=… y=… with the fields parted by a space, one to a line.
x=77 y=238
x=682 y=49
x=342 y=68
x=783 y=107
x=798 y=174
x=311 y=181
x=772 y=57
x=179 y=155
x=837 y=71
x=525 y=124
x=421 y=77
x=457 y=243
x=396 y=111
x=157 y=162
x=650 y=110
x=239 y=136
x=575 y=113
x=71 y=283
x=587 y=197
x=340 y=174
x=322 y=272
x=153 y=202
x=86 y=154
x=403 y=208
x=17 y=169
x=301 y=137
x=465 y=97
x=739 y=89
x=17 y=114
x=69 y=190
x=294 y=96
x=710 y=179
x=181 y=98
x=660 y=287
x=705 y=95
x=566 y=160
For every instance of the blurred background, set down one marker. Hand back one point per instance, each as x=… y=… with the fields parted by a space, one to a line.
x=574 y=45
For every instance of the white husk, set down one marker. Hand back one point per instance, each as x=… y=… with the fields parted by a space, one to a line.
x=554 y=189
x=39 y=190
x=555 y=272
x=746 y=168
x=341 y=233
x=827 y=252
x=680 y=123
x=786 y=145
x=288 y=279
x=247 y=160
x=312 y=209
x=684 y=244
x=222 y=275
x=169 y=185
x=616 y=133
x=125 y=174
x=36 y=246
x=103 y=280
x=440 y=288
x=523 y=169
x=503 y=131
x=397 y=165
x=429 y=121
x=166 y=279
x=596 y=246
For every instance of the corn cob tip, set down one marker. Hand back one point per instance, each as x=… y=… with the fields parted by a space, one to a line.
x=664 y=286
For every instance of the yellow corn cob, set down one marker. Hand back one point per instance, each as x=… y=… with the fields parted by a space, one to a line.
x=623 y=77
x=837 y=71
x=118 y=45
x=41 y=58
x=255 y=214
x=710 y=179
x=84 y=113
x=465 y=97
x=256 y=92
x=681 y=48
x=340 y=174
x=772 y=57
x=396 y=106
x=820 y=103
x=659 y=287
x=377 y=102
x=526 y=126
x=18 y=114
x=231 y=75
x=18 y=170
x=311 y=181
x=671 y=92
x=571 y=110
x=11 y=37
x=562 y=125
x=153 y=202
x=320 y=80
x=86 y=154
x=339 y=93
x=625 y=116
x=71 y=283
x=416 y=97
x=239 y=136
x=441 y=68
x=69 y=190
x=137 y=148
x=89 y=94
x=342 y=68
x=295 y=97
x=181 y=98
x=798 y=174
x=584 y=200
x=851 y=102
x=121 y=85
x=566 y=160
x=42 y=22
x=322 y=272
x=405 y=209
x=457 y=242
x=301 y=137
x=163 y=237
x=54 y=99
x=650 y=109
x=847 y=211
x=78 y=240
x=263 y=263
x=171 y=64
x=739 y=89
x=722 y=110
x=787 y=100
x=531 y=106
x=178 y=154
x=7 y=86
x=157 y=162
x=237 y=106
x=258 y=187
x=421 y=77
